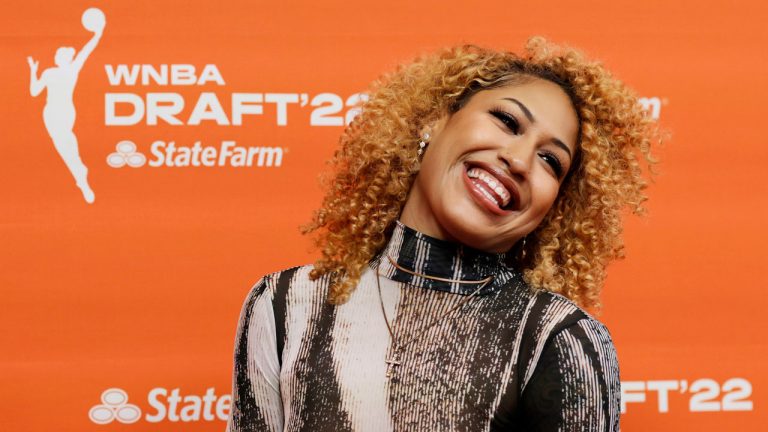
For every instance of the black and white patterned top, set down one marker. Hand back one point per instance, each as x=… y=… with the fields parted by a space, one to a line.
x=510 y=358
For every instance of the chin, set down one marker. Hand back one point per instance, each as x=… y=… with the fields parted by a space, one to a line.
x=466 y=226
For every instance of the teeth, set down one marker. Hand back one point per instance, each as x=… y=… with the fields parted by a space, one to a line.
x=491 y=197
x=493 y=184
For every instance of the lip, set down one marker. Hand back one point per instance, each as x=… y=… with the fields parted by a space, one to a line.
x=502 y=177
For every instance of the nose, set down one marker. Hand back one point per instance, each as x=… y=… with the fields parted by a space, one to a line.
x=517 y=161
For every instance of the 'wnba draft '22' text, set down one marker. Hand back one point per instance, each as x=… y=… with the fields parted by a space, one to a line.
x=703 y=395
x=174 y=108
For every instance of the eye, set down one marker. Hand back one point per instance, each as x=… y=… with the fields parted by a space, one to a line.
x=508 y=119
x=553 y=161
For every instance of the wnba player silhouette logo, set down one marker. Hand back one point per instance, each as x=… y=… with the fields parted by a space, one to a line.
x=59 y=111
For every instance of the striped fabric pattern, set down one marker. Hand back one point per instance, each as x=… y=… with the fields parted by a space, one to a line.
x=510 y=358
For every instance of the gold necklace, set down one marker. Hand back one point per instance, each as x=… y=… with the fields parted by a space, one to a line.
x=399 y=267
x=394 y=360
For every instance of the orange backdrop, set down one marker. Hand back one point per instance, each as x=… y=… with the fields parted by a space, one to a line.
x=141 y=290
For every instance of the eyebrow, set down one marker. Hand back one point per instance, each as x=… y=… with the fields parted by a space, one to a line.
x=531 y=119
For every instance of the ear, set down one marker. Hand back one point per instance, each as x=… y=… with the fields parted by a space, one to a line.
x=434 y=128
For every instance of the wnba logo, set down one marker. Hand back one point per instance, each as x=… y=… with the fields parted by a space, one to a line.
x=59 y=112
x=114 y=406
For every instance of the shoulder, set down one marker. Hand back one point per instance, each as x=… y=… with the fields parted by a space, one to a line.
x=581 y=337
x=555 y=323
x=285 y=280
x=293 y=282
x=554 y=313
x=285 y=300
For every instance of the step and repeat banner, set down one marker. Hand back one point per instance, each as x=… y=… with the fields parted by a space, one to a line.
x=158 y=158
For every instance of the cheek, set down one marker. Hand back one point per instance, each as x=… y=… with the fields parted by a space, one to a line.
x=437 y=162
x=546 y=193
x=428 y=173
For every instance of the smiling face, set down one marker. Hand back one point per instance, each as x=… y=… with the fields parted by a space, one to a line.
x=494 y=168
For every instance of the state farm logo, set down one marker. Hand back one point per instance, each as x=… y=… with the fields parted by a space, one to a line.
x=162 y=405
x=114 y=406
x=169 y=154
x=126 y=154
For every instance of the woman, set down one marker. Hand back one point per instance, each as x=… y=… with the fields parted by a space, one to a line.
x=475 y=203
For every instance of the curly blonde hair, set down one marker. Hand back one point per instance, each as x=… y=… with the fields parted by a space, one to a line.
x=377 y=162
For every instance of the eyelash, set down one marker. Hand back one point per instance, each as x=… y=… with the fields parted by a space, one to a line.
x=508 y=119
x=514 y=126
x=553 y=161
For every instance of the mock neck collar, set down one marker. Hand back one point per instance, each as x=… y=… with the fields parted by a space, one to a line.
x=427 y=255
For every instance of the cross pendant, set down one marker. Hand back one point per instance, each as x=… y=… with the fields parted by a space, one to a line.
x=392 y=362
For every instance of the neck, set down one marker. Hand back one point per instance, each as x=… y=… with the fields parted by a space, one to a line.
x=417 y=215
x=428 y=262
